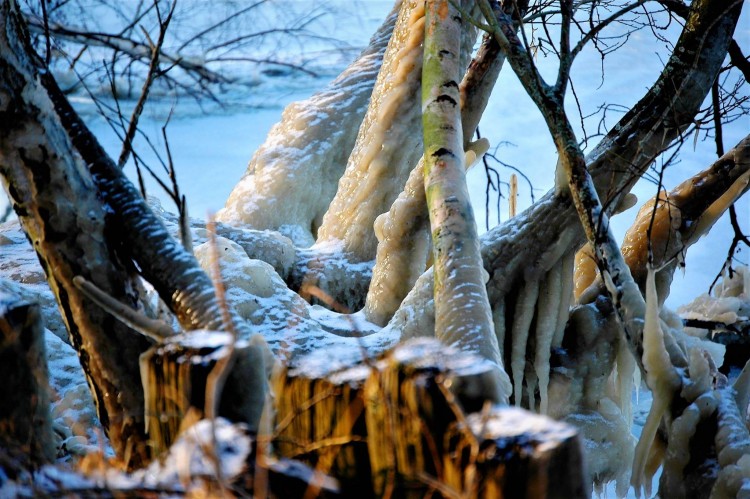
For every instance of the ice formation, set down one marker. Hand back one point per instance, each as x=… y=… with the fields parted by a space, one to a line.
x=293 y=176
x=387 y=147
x=729 y=304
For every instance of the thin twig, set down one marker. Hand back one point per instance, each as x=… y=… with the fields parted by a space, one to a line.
x=153 y=70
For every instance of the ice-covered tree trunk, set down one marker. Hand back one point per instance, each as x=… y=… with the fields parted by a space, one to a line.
x=403 y=232
x=293 y=176
x=57 y=204
x=389 y=143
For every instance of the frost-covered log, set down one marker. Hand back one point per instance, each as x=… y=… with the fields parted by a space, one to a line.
x=25 y=422
x=509 y=452
x=212 y=459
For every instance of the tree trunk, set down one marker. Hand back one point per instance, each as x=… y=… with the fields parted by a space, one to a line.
x=306 y=152
x=57 y=204
x=462 y=312
x=84 y=218
x=387 y=148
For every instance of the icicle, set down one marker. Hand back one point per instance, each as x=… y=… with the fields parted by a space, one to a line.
x=563 y=313
x=548 y=309
x=530 y=378
x=700 y=379
x=384 y=152
x=522 y=318
x=625 y=373
x=498 y=319
x=661 y=378
x=742 y=387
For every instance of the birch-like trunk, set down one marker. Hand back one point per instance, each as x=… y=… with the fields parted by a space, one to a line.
x=462 y=312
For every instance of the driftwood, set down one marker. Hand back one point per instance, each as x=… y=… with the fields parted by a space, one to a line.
x=399 y=425
x=25 y=421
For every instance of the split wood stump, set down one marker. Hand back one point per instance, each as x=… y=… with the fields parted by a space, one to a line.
x=174 y=374
x=415 y=423
x=25 y=421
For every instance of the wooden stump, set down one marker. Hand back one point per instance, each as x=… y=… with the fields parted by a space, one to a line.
x=397 y=425
x=417 y=391
x=174 y=375
x=25 y=422
x=319 y=418
x=510 y=452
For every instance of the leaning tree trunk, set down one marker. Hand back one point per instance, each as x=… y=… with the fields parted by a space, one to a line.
x=60 y=211
x=84 y=218
x=306 y=152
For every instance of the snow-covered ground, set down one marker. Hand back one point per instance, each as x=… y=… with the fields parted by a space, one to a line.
x=210 y=151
